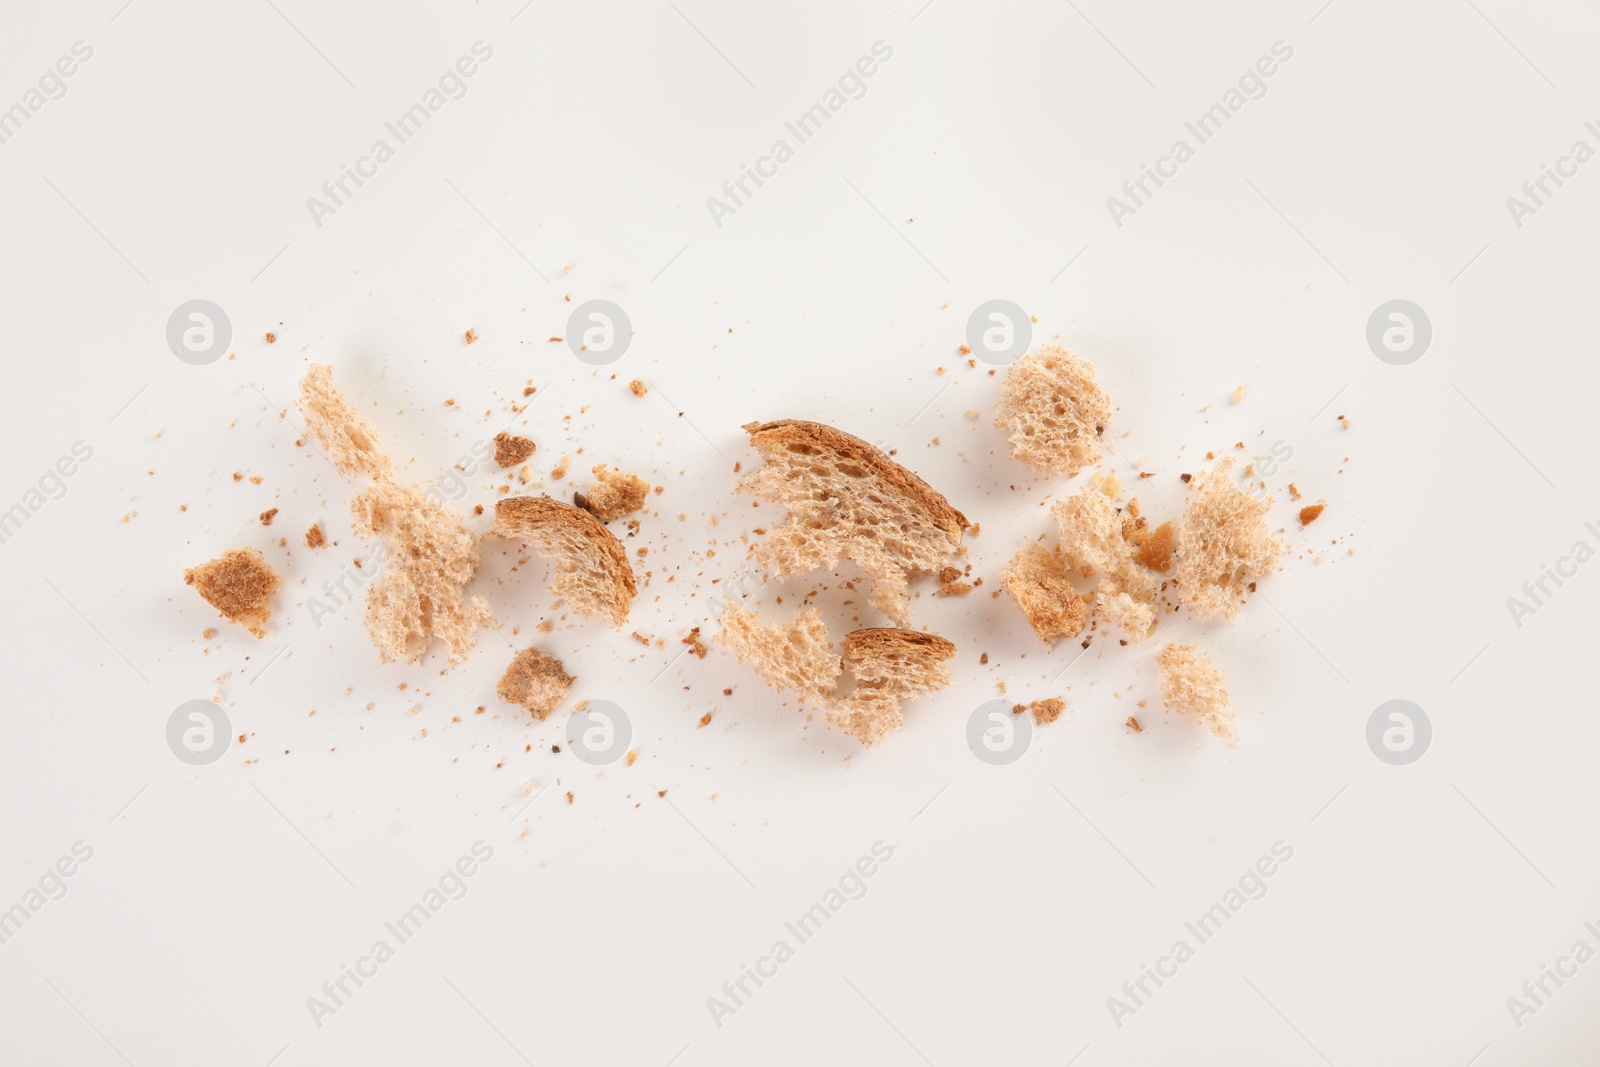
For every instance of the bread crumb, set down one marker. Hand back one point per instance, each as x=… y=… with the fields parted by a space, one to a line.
x=1238 y=394
x=509 y=449
x=638 y=388
x=633 y=754
x=1223 y=545
x=314 y=538
x=705 y=720
x=1039 y=584
x=471 y=334
x=614 y=494
x=695 y=646
x=1133 y=724
x=239 y=583
x=536 y=681
x=1053 y=411
x=268 y=515
x=271 y=337
x=1047 y=710
x=1195 y=688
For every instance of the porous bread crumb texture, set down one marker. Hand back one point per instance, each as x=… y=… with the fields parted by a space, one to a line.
x=239 y=583
x=796 y=655
x=1039 y=584
x=1195 y=688
x=314 y=536
x=1133 y=617
x=848 y=500
x=1047 y=710
x=1092 y=542
x=429 y=555
x=1222 y=545
x=1053 y=410
x=890 y=666
x=614 y=494
x=537 y=681
x=509 y=449
x=638 y=388
x=592 y=569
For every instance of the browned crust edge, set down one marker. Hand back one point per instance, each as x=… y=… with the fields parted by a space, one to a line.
x=520 y=516
x=859 y=643
x=898 y=478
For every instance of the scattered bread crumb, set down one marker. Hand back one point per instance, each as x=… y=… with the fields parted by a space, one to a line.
x=239 y=583
x=314 y=538
x=1195 y=688
x=1053 y=411
x=1310 y=513
x=536 y=681
x=614 y=494
x=638 y=388
x=509 y=449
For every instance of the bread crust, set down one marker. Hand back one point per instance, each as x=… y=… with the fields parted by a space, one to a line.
x=551 y=524
x=785 y=432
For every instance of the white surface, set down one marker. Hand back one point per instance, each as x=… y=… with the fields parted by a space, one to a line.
x=222 y=897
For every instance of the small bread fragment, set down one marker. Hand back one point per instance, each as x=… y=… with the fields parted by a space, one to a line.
x=509 y=449
x=351 y=445
x=638 y=388
x=1195 y=688
x=848 y=500
x=1133 y=617
x=429 y=554
x=239 y=583
x=1047 y=710
x=1039 y=584
x=613 y=494
x=890 y=666
x=1053 y=410
x=1223 y=545
x=1311 y=513
x=795 y=655
x=314 y=536
x=1092 y=542
x=536 y=681
x=592 y=570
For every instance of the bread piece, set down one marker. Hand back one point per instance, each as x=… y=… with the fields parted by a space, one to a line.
x=429 y=558
x=1195 y=688
x=592 y=570
x=846 y=499
x=795 y=655
x=1222 y=545
x=1047 y=710
x=509 y=449
x=1133 y=617
x=1092 y=542
x=428 y=553
x=239 y=583
x=890 y=666
x=1053 y=410
x=536 y=681
x=350 y=444
x=614 y=494
x=1039 y=584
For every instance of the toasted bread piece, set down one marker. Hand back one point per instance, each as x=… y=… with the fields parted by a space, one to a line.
x=1053 y=410
x=1092 y=542
x=847 y=499
x=1134 y=618
x=509 y=449
x=429 y=557
x=428 y=553
x=592 y=570
x=350 y=444
x=614 y=494
x=536 y=681
x=1222 y=545
x=1195 y=688
x=239 y=583
x=890 y=666
x=1039 y=584
x=795 y=655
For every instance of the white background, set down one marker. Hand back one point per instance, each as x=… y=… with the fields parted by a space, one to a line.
x=977 y=165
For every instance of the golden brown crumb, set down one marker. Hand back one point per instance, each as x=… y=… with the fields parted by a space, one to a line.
x=314 y=538
x=569 y=798
x=705 y=720
x=695 y=646
x=613 y=494
x=208 y=633
x=1309 y=513
x=509 y=449
x=471 y=334
x=1155 y=550
x=1133 y=724
x=638 y=388
x=1047 y=710
x=1238 y=394
x=267 y=516
x=633 y=754
x=271 y=337
x=536 y=681
x=239 y=584
x=1294 y=491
